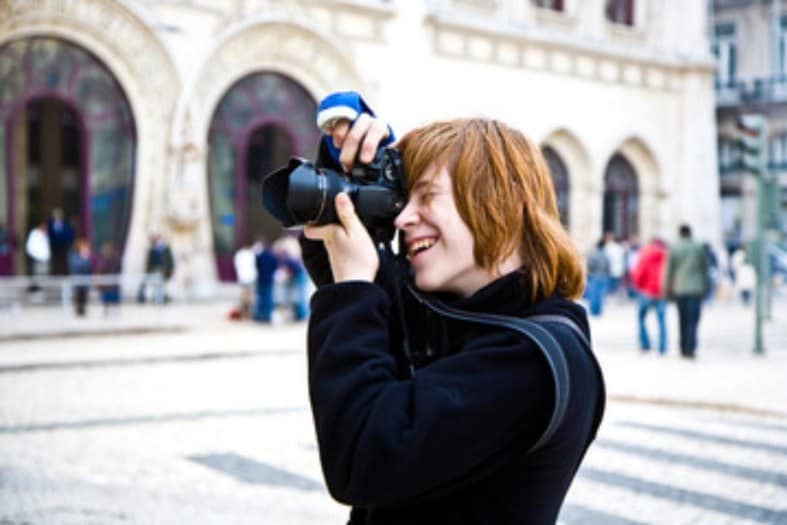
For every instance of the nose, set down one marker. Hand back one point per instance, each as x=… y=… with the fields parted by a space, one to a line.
x=406 y=217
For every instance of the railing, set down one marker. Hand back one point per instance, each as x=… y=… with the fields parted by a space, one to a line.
x=23 y=290
x=729 y=93
x=768 y=90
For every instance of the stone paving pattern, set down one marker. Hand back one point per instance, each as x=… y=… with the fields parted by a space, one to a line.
x=174 y=415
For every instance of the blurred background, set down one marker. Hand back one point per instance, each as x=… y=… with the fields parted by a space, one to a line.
x=135 y=258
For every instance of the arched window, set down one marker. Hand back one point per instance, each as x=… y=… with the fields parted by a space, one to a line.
x=261 y=121
x=560 y=181
x=67 y=140
x=621 y=198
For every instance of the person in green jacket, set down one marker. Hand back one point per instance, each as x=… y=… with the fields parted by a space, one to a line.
x=686 y=281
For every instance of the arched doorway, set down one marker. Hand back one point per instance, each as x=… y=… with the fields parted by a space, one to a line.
x=67 y=142
x=260 y=122
x=621 y=198
x=560 y=180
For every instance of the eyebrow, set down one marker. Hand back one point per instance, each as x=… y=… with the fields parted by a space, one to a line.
x=423 y=182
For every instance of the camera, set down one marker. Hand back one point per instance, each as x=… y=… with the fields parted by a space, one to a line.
x=301 y=193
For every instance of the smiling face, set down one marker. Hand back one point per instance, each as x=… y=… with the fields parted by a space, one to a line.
x=439 y=243
x=481 y=205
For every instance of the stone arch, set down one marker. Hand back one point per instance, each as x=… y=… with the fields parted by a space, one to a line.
x=277 y=43
x=575 y=156
x=120 y=36
x=651 y=198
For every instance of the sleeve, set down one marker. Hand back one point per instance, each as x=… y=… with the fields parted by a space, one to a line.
x=385 y=441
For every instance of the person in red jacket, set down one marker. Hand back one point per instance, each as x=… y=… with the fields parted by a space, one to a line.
x=646 y=279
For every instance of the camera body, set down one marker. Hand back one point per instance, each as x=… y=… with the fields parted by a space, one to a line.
x=302 y=193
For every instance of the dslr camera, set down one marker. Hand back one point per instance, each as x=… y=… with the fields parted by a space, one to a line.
x=301 y=193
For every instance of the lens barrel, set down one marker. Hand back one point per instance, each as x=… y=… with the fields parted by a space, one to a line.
x=301 y=193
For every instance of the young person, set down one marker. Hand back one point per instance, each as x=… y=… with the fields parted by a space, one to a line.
x=425 y=419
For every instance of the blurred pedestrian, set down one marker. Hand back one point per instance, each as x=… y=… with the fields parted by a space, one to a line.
x=80 y=268
x=109 y=266
x=7 y=243
x=38 y=250
x=266 y=268
x=616 y=256
x=245 y=264
x=646 y=280
x=686 y=281
x=598 y=278
x=745 y=275
x=631 y=249
x=61 y=237
x=713 y=271
x=159 y=267
x=296 y=282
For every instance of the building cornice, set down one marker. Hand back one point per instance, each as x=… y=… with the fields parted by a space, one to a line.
x=517 y=39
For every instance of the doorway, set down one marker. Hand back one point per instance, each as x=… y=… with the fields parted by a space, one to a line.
x=269 y=148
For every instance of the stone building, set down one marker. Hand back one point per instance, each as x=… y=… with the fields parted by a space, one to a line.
x=142 y=116
x=750 y=45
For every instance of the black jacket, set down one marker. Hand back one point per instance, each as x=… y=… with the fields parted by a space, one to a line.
x=448 y=444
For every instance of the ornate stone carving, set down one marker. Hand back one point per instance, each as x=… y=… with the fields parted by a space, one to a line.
x=109 y=22
x=275 y=45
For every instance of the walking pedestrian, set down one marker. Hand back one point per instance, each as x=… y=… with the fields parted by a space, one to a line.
x=266 y=263
x=38 y=250
x=296 y=280
x=745 y=276
x=7 y=245
x=61 y=237
x=646 y=279
x=616 y=255
x=687 y=282
x=598 y=278
x=245 y=263
x=159 y=268
x=80 y=268
x=109 y=266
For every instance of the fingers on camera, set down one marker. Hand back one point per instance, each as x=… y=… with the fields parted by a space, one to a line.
x=376 y=133
x=338 y=132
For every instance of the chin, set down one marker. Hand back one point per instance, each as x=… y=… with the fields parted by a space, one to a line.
x=425 y=284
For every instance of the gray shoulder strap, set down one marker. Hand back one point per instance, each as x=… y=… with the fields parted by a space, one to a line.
x=564 y=321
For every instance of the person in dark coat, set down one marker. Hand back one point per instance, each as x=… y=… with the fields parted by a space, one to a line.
x=159 y=268
x=429 y=420
x=266 y=268
x=7 y=246
x=61 y=237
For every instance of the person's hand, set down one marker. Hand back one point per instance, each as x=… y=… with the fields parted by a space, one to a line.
x=351 y=251
x=357 y=139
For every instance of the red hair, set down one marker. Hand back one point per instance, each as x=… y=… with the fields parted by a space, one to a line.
x=504 y=193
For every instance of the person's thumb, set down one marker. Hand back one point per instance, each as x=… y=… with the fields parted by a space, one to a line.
x=346 y=213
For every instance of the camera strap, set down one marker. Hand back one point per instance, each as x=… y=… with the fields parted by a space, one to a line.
x=540 y=336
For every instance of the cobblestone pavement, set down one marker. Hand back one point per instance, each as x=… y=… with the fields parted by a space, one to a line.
x=197 y=420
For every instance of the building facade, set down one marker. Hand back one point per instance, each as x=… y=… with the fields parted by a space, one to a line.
x=140 y=117
x=750 y=45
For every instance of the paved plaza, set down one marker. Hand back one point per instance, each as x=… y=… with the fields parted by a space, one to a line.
x=174 y=415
